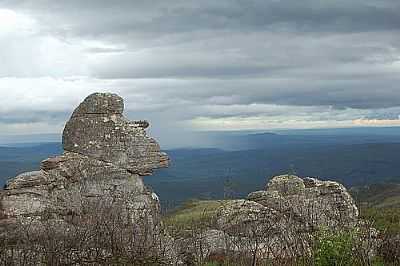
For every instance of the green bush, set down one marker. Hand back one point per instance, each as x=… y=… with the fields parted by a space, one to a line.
x=334 y=249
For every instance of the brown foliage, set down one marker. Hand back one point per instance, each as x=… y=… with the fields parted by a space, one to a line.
x=101 y=233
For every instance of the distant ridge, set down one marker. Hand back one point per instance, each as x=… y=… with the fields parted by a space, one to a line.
x=6 y=140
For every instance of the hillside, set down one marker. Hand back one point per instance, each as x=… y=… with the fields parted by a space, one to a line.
x=209 y=173
x=196 y=175
x=18 y=159
x=380 y=204
x=381 y=195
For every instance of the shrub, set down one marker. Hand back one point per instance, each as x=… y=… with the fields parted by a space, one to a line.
x=334 y=249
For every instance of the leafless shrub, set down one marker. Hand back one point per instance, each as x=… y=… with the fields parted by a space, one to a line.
x=389 y=249
x=281 y=239
x=112 y=231
x=104 y=231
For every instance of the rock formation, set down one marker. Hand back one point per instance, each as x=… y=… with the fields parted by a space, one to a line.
x=282 y=218
x=97 y=129
x=309 y=202
x=314 y=202
x=104 y=157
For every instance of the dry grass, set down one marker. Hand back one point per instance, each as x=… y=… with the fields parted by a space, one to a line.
x=193 y=212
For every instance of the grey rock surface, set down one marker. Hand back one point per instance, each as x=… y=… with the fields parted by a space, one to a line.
x=99 y=130
x=105 y=157
x=317 y=203
x=309 y=204
x=283 y=217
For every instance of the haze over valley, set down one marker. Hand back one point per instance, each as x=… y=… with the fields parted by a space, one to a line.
x=244 y=161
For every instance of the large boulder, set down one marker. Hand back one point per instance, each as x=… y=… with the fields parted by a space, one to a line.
x=75 y=178
x=99 y=130
x=105 y=155
x=279 y=222
x=100 y=172
x=317 y=203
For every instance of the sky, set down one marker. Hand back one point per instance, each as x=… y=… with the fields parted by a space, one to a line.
x=202 y=65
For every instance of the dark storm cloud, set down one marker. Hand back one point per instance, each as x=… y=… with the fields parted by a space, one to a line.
x=310 y=60
x=101 y=17
x=355 y=93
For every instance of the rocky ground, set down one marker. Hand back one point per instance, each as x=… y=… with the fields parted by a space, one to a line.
x=278 y=222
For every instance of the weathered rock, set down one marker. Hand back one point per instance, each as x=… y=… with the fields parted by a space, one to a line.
x=309 y=204
x=61 y=189
x=98 y=129
x=318 y=203
x=105 y=156
x=243 y=216
x=279 y=221
x=252 y=227
x=100 y=104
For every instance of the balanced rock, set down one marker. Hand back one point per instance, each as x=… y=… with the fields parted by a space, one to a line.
x=104 y=157
x=98 y=129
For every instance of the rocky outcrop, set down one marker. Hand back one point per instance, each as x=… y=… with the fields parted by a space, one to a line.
x=314 y=202
x=279 y=222
x=309 y=203
x=105 y=156
x=98 y=130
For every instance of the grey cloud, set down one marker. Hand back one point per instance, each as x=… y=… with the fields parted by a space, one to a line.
x=32 y=117
x=176 y=61
x=358 y=93
x=99 y=18
x=104 y=50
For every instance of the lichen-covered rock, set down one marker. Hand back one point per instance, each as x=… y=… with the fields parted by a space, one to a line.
x=318 y=203
x=98 y=129
x=286 y=185
x=237 y=216
x=280 y=220
x=62 y=188
x=105 y=156
x=100 y=104
x=250 y=227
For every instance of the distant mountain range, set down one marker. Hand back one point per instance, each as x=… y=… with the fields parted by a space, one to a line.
x=205 y=173
x=353 y=159
x=28 y=139
x=24 y=157
x=305 y=139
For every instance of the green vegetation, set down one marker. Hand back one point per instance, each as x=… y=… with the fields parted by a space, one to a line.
x=382 y=195
x=198 y=212
x=380 y=204
x=334 y=249
x=386 y=220
x=342 y=249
